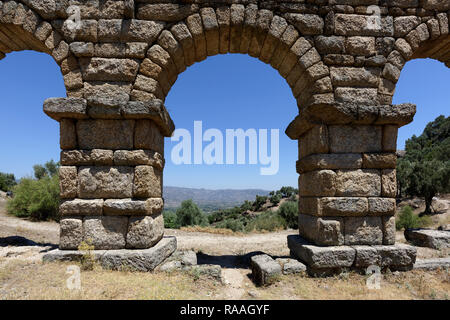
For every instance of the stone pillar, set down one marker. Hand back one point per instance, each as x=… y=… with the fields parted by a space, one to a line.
x=347 y=183
x=112 y=161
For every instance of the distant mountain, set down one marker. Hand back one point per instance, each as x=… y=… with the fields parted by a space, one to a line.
x=209 y=200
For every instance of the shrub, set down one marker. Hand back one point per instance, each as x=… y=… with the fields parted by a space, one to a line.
x=267 y=221
x=408 y=220
x=232 y=224
x=259 y=202
x=7 y=181
x=170 y=220
x=189 y=214
x=37 y=199
x=289 y=212
x=275 y=199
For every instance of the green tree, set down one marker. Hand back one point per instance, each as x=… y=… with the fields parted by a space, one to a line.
x=424 y=171
x=170 y=219
x=259 y=202
x=189 y=214
x=275 y=199
x=7 y=181
x=50 y=169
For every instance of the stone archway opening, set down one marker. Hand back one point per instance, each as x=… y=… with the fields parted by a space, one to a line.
x=224 y=94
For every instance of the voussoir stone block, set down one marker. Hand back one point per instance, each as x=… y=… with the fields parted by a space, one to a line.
x=105 y=232
x=106 y=134
x=144 y=232
x=105 y=182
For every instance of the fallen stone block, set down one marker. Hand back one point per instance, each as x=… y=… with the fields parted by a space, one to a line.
x=291 y=266
x=265 y=270
x=436 y=239
x=432 y=264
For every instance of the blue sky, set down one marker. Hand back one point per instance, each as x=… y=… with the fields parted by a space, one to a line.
x=224 y=92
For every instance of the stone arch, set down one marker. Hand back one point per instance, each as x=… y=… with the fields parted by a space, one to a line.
x=233 y=29
x=22 y=28
x=416 y=39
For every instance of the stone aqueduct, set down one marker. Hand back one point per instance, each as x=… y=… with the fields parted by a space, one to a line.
x=341 y=58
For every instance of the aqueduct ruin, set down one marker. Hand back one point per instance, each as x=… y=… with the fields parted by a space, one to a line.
x=341 y=58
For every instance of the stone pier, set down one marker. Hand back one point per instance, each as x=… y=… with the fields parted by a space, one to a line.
x=347 y=187
x=112 y=161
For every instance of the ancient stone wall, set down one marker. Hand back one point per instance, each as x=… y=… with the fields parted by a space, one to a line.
x=341 y=58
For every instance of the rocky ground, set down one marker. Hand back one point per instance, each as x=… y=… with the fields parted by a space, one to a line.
x=23 y=242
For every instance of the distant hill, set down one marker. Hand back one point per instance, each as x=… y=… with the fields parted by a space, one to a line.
x=209 y=200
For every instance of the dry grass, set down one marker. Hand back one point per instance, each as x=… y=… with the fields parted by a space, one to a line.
x=20 y=280
x=25 y=280
x=212 y=230
x=352 y=286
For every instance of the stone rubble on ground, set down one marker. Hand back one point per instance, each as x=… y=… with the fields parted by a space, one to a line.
x=435 y=239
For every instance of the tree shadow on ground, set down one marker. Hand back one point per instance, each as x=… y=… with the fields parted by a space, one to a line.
x=18 y=241
x=230 y=261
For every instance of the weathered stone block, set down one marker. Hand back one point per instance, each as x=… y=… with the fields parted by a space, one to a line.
x=435 y=239
x=355 y=139
x=71 y=233
x=389 y=230
x=291 y=266
x=68 y=182
x=106 y=134
x=145 y=232
x=363 y=25
x=329 y=161
x=102 y=157
x=81 y=207
x=59 y=108
x=363 y=230
x=148 y=136
x=397 y=257
x=108 y=69
x=379 y=160
x=322 y=231
x=105 y=232
x=140 y=259
x=317 y=183
x=147 y=182
x=68 y=134
x=105 y=182
x=321 y=257
x=366 y=256
x=132 y=207
x=381 y=206
x=358 y=77
x=360 y=182
x=333 y=206
x=388 y=183
x=314 y=141
x=265 y=270
x=138 y=157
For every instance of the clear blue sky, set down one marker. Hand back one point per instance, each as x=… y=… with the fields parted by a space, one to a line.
x=225 y=92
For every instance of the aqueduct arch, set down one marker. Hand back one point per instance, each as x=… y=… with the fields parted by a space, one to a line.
x=341 y=58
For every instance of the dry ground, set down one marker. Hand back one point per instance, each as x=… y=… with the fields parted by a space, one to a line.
x=24 y=276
